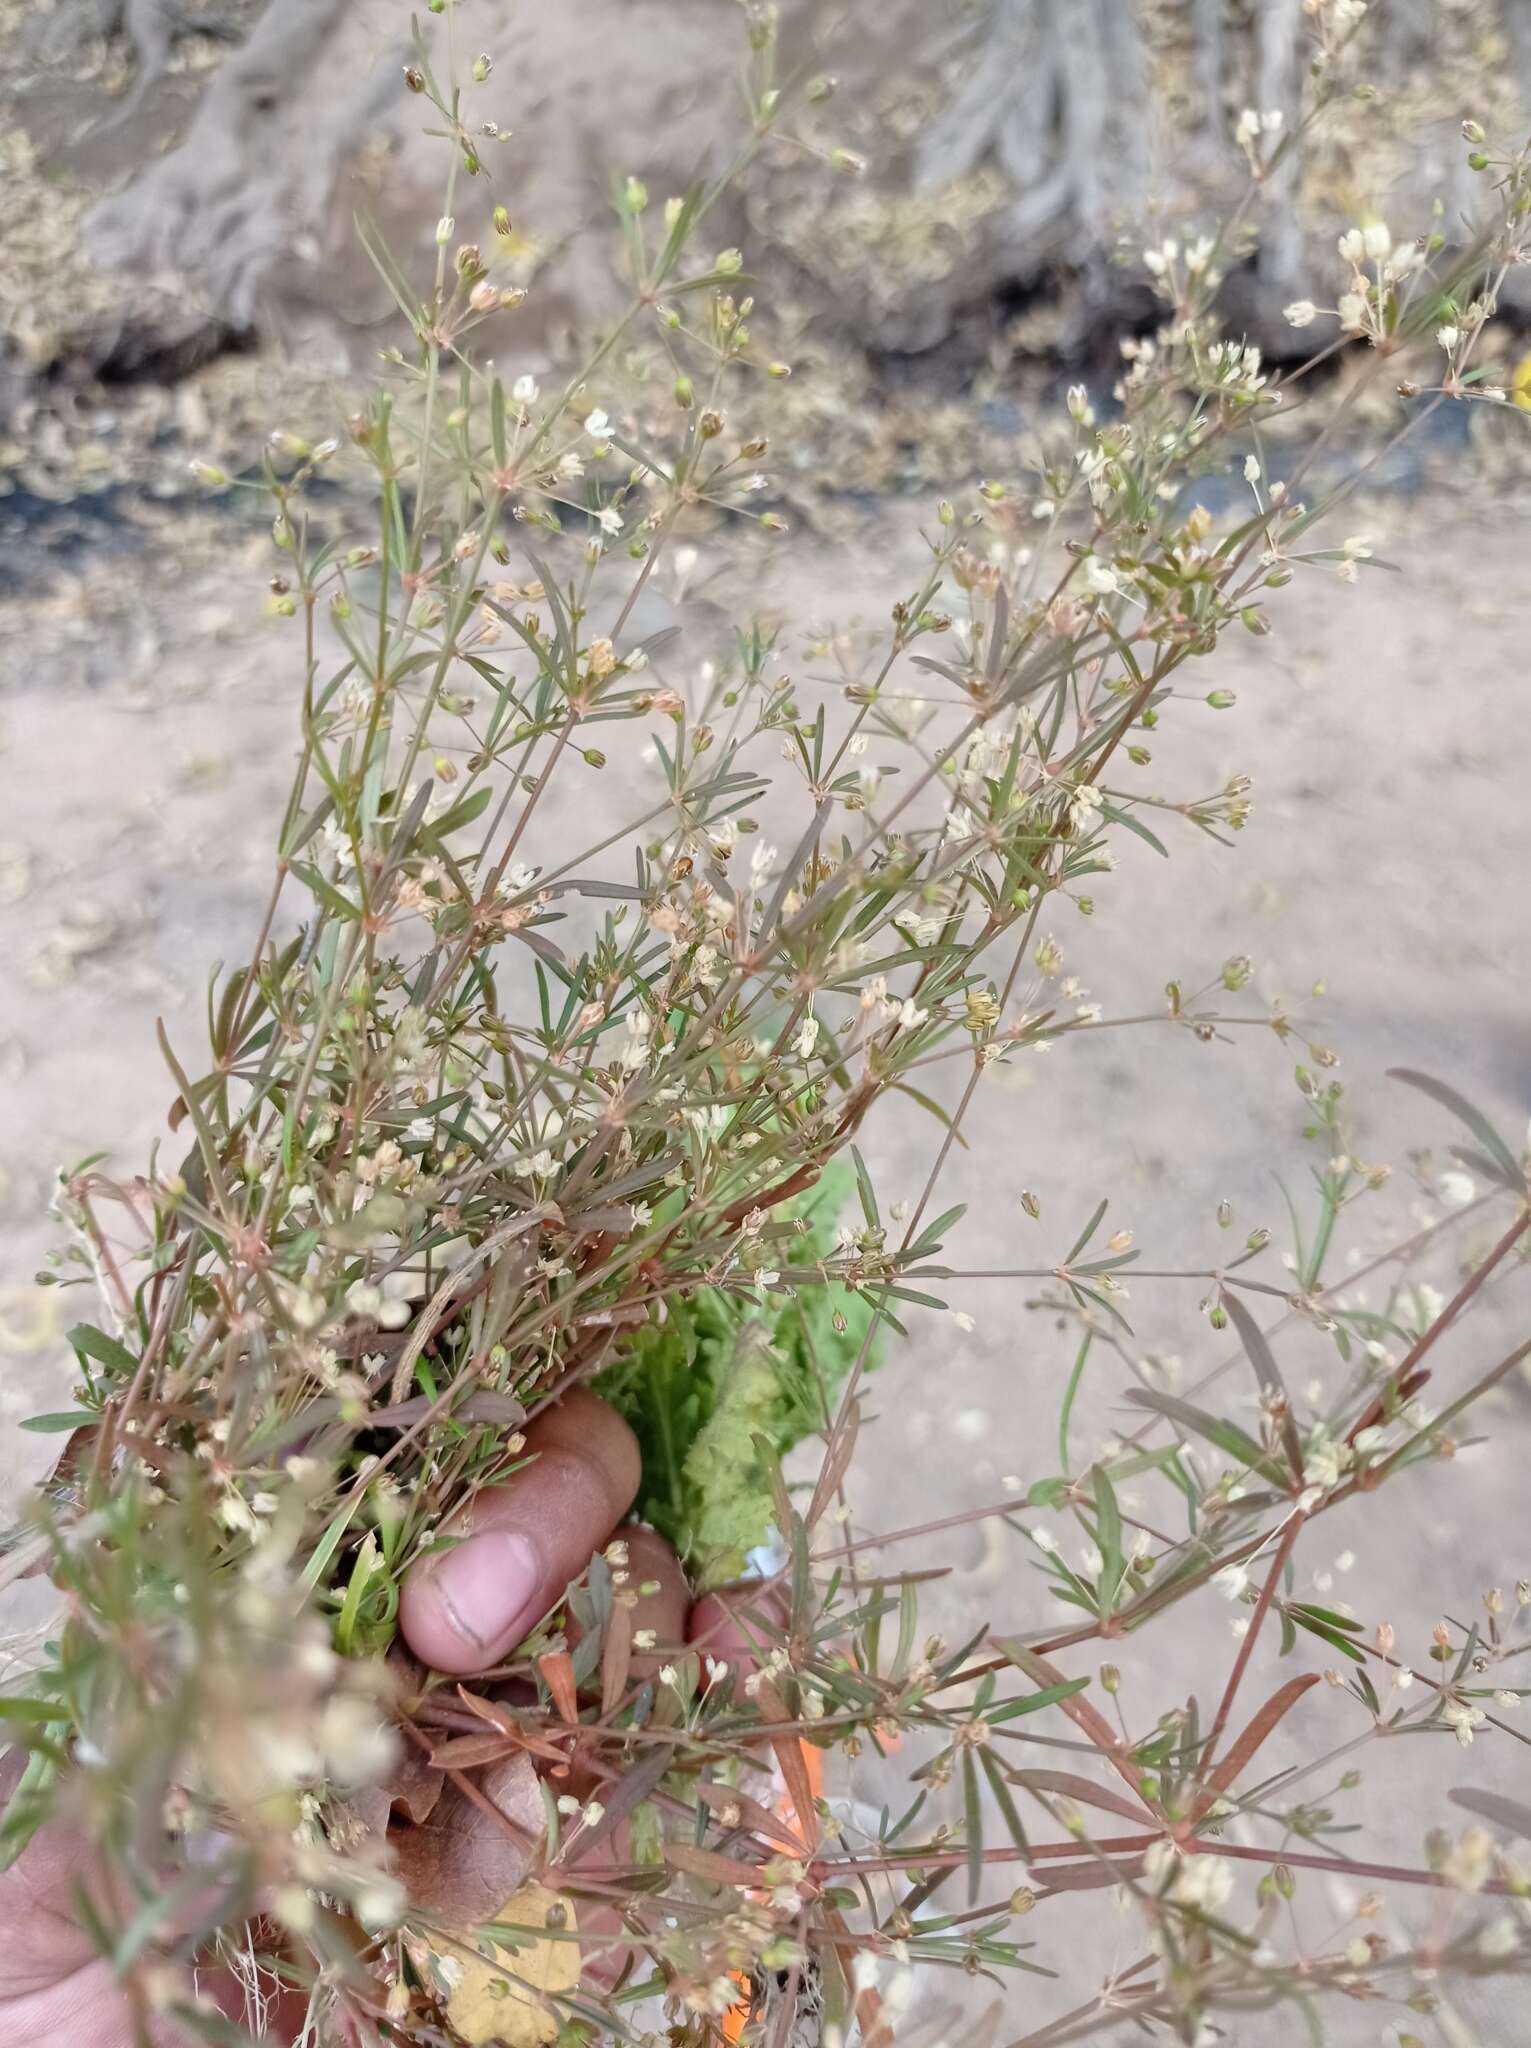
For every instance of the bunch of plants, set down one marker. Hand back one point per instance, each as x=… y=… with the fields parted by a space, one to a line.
x=501 y=1110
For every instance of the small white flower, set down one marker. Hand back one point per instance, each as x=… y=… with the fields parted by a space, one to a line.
x=610 y=520
x=1377 y=240
x=597 y=425
x=1465 y=1720
x=668 y=1675
x=1205 y=1882
x=525 y=390
x=1456 y=1189
x=1251 y=469
x=1101 y=577
x=807 y=1038
x=1448 y=337
x=1301 y=313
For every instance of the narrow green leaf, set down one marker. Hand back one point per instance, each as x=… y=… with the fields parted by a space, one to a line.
x=1268 y=1373
x=1121 y=817
x=1002 y=1799
x=1070 y=1393
x=1443 y=1093
x=60 y=1420
x=104 y=1350
x=1087 y=1233
x=973 y=1823
x=1226 y=1435
x=1108 y=1535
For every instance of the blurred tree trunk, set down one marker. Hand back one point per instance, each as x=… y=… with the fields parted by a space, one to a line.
x=247 y=179
x=1050 y=130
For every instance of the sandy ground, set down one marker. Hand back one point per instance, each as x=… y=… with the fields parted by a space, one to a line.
x=1387 y=858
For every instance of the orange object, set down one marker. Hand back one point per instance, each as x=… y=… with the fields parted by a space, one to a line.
x=812 y=1765
x=736 y=2016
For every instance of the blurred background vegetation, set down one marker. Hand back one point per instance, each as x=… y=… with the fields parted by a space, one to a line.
x=180 y=179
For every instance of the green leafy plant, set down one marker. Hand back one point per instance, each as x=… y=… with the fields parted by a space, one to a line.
x=722 y=1386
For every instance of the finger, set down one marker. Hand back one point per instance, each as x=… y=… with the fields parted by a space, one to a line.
x=523 y=1542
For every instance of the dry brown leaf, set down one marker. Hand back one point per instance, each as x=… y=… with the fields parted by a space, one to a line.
x=416 y=1786
x=507 y=1996
x=465 y=1858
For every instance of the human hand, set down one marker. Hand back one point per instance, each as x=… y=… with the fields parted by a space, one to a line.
x=461 y=1611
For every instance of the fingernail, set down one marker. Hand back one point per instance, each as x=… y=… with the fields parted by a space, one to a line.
x=487 y=1584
